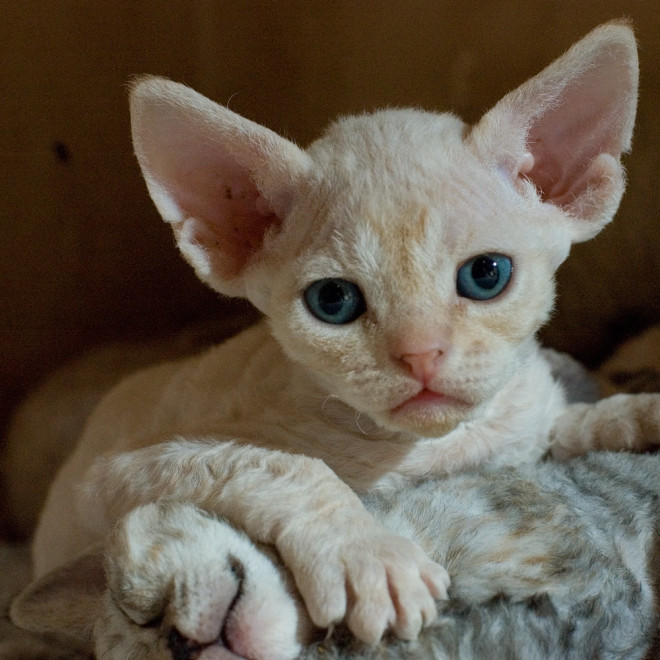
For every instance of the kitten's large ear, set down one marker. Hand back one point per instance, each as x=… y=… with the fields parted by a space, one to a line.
x=222 y=181
x=566 y=129
x=63 y=604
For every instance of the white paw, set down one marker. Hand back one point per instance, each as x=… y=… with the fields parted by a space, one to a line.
x=373 y=579
x=186 y=585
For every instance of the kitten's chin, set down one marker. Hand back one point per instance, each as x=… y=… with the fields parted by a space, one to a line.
x=426 y=426
x=429 y=414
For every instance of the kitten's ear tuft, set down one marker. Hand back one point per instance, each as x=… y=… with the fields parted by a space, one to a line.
x=566 y=129
x=222 y=181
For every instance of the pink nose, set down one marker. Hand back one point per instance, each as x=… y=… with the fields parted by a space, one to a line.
x=423 y=366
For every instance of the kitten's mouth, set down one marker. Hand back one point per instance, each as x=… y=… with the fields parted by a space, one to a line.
x=426 y=400
x=430 y=414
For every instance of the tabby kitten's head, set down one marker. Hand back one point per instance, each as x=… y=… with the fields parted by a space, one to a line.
x=404 y=259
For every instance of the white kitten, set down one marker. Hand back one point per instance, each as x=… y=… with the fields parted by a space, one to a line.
x=404 y=263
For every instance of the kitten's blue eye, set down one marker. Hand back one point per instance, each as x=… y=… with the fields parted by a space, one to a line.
x=333 y=300
x=484 y=277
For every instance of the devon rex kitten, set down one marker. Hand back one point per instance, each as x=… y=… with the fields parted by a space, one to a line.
x=404 y=263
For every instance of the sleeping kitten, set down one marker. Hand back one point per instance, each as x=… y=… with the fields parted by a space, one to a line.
x=404 y=263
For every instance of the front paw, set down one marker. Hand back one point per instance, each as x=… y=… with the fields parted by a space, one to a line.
x=373 y=579
x=186 y=585
x=619 y=422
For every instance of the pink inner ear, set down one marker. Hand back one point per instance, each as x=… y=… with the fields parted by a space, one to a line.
x=225 y=215
x=590 y=117
x=222 y=181
x=220 y=215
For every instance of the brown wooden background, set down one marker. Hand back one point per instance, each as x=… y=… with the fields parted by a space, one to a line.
x=83 y=255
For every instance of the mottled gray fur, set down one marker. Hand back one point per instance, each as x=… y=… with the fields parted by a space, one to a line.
x=547 y=561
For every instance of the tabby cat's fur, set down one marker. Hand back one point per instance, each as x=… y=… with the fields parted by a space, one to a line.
x=547 y=561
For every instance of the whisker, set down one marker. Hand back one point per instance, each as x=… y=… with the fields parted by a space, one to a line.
x=326 y=399
x=357 y=422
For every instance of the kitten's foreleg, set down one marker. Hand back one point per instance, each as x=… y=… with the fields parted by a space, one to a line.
x=622 y=421
x=345 y=564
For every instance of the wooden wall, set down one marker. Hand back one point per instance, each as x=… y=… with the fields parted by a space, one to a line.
x=83 y=255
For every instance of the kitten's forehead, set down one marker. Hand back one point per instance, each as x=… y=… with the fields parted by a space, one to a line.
x=410 y=179
x=389 y=143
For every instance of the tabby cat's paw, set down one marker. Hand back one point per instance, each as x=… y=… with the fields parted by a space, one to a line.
x=373 y=579
x=186 y=585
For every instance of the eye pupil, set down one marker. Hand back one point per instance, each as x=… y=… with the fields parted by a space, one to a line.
x=484 y=277
x=485 y=272
x=332 y=297
x=334 y=300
